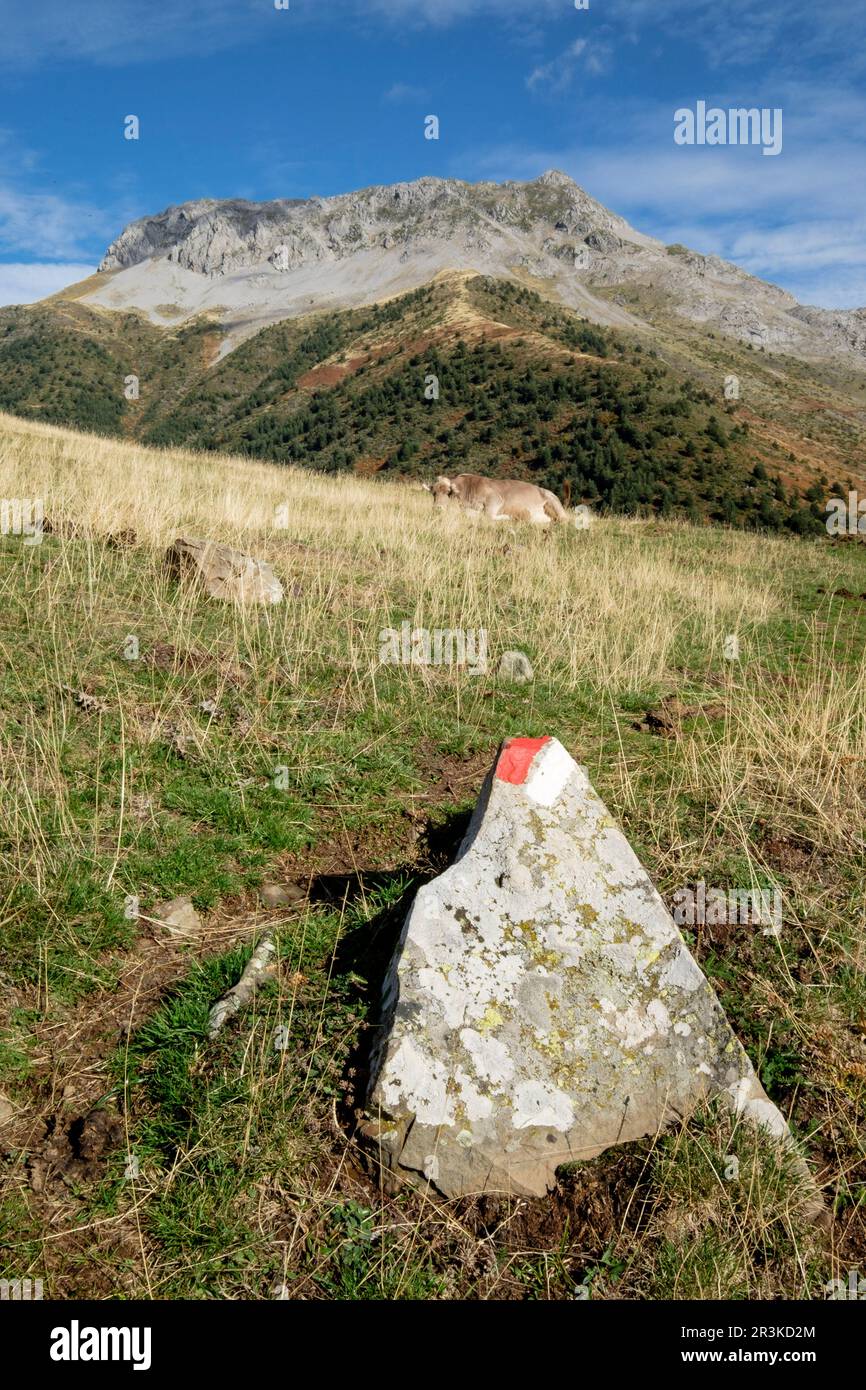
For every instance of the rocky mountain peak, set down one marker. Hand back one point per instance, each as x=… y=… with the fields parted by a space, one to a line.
x=257 y=262
x=556 y=178
x=214 y=237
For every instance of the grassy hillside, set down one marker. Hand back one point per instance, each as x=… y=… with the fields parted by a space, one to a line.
x=141 y=1159
x=467 y=373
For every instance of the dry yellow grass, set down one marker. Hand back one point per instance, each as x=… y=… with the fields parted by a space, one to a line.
x=613 y=619
x=601 y=605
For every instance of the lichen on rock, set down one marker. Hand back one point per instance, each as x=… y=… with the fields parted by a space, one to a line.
x=542 y=1004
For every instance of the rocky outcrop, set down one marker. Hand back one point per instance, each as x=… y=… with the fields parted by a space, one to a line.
x=223 y=573
x=277 y=259
x=835 y=325
x=215 y=238
x=542 y=1005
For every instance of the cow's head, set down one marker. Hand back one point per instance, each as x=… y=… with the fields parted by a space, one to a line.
x=443 y=490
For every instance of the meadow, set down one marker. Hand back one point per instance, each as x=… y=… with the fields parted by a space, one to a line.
x=225 y=748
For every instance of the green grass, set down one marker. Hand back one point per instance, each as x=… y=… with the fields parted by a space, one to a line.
x=621 y=423
x=250 y=1177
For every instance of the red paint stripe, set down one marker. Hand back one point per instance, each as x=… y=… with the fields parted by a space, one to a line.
x=516 y=757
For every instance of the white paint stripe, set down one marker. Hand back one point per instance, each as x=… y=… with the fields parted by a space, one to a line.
x=551 y=769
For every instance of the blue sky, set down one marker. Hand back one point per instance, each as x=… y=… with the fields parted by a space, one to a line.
x=237 y=98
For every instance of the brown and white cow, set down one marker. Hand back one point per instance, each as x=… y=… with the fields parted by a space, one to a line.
x=500 y=499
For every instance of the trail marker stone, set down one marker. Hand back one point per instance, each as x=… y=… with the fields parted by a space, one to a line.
x=542 y=1004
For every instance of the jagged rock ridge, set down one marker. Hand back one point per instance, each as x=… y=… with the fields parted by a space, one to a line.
x=255 y=263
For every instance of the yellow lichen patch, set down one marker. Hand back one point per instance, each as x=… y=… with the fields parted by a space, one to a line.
x=492 y=1019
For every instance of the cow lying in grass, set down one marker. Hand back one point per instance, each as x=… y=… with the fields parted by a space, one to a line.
x=501 y=499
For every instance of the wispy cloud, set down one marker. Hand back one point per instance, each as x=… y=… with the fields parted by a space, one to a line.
x=125 y=31
x=55 y=223
x=48 y=225
x=444 y=12
x=119 y=32
x=403 y=92
x=25 y=284
x=743 y=34
x=558 y=74
x=738 y=33
x=801 y=223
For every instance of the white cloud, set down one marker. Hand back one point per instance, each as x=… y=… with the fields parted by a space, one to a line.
x=556 y=75
x=783 y=35
x=47 y=224
x=126 y=31
x=778 y=33
x=404 y=92
x=440 y=13
x=24 y=284
x=798 y=220
x=118 y=32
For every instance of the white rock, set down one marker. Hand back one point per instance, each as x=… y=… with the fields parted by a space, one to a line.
x=542 y=1005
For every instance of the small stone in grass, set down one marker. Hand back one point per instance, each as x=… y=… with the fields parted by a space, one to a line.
x=515 y=667
x=281 y=894
x=177 y=918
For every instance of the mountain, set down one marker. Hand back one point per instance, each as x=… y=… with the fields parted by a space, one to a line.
x=255 y=263
x=517 y=328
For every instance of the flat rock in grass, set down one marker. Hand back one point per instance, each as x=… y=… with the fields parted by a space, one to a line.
x=281 y=894
x=222 y=572
x=542 y=1005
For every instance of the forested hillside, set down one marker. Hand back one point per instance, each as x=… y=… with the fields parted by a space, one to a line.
x=468 y=374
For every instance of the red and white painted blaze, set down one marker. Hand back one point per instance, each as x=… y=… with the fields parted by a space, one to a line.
x=540 y=765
